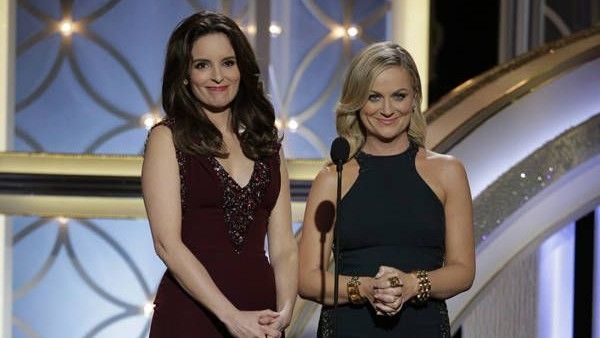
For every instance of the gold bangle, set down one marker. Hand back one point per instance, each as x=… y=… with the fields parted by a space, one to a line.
x=354 y=295
x=424 y=287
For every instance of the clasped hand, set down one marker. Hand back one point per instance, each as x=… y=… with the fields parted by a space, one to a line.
x=257 y=324
x=387 y=291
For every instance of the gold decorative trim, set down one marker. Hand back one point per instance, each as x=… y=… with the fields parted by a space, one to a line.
x=112 y=165
x=88 y=207
x=468 y=87
x=70 y=164
x=304 y=170
x=476 y=100
x=72 y=206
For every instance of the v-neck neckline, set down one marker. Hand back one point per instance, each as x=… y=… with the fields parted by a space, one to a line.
x=229 y=177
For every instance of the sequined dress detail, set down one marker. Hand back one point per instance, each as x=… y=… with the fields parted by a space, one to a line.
x=240 y=203
x=224 y=226
x=390 y=217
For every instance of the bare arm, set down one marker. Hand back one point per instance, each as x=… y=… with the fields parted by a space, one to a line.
x=160 y=186
x=457 y=274
x=458 y=271
x=283 y=249
x=315 y=281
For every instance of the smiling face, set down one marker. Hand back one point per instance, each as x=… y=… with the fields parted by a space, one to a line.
x=387 y=112
x=214 y=73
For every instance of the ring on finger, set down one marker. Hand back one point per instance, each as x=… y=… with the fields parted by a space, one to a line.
x=394 y=281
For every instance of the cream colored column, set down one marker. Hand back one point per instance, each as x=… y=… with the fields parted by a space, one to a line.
x=7 y=81
x=410 y=28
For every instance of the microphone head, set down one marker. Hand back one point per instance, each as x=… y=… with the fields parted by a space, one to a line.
x=340 y=150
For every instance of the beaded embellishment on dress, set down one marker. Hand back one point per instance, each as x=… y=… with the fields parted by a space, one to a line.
x=182 y=161
x=325 y=328
x=445 y=324
x=240 y=203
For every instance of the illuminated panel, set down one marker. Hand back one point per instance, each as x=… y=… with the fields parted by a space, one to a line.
x=555 y=273
x=528 y=123
x=596 y=309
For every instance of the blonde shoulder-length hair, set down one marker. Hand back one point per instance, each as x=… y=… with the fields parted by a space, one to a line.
x=363 y=70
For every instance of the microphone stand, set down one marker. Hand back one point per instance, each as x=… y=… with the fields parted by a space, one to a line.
x=336 y=235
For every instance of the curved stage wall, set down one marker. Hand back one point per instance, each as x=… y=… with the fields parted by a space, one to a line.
x=528 y=133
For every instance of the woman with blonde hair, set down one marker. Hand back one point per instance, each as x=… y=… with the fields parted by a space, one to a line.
x=406 y=237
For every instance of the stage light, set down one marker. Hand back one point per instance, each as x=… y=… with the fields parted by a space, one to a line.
x=251 y=29
x=148 y=309
x=66 y=27
x=148 y=120
x=352 y=31
x=338 y=32
x=275 y=30
x=292 y=125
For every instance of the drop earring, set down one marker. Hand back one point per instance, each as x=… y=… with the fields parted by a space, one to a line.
x=185 y=82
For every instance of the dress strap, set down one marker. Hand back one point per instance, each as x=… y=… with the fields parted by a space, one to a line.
x=413 y=148
x=412 y=151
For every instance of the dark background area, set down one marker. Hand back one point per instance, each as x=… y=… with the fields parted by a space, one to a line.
x=464 y=42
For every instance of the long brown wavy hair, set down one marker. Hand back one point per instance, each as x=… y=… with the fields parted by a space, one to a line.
x=253 y=115
x=355 y=91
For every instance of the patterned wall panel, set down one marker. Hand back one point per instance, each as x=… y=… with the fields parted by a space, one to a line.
x=82 y=278
x=316 y=41
x=88 y=76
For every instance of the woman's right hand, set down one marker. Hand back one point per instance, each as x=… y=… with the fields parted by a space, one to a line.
x=252 y=324
x=367 y=290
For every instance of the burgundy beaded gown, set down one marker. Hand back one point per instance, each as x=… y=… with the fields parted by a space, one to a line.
x=224 y=226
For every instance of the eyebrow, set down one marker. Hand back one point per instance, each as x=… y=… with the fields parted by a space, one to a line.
x=395 y=91
x=207 y=60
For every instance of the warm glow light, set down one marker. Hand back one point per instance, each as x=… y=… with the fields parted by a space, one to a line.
x=149 y=120
x=66 y=27
x=62 y=220
x=251 y=29
x=148 y=309
x=275 y=29
x=292 y=125
x=338 y=31
x=352 y=31
x=278 y=124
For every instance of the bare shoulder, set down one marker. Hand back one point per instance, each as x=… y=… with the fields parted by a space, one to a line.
x=448 y=168
x=326 y=177
x=325 y=183
x=160 y=132
x=159 y=139
x=442 y=161
x=328 y=174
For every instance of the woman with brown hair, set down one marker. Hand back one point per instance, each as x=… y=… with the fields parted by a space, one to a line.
x=215 y=184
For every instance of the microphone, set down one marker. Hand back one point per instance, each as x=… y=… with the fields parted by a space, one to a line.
x=340 y=150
